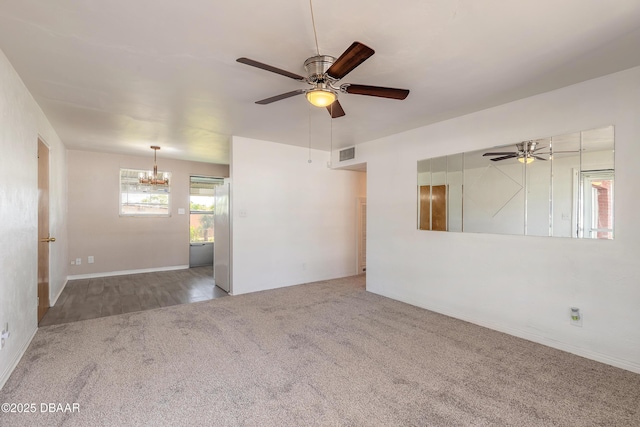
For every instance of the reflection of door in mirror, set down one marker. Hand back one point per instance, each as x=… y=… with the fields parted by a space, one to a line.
x=433 y=207
x=597 y=204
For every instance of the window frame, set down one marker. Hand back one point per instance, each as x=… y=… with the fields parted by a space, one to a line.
x=143 y=215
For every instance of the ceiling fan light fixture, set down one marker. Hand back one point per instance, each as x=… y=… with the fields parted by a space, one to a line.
x=525 y=159
x=321 y=97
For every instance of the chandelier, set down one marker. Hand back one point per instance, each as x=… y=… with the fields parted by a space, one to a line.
x=153 y=178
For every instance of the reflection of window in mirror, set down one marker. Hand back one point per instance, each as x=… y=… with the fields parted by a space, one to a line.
x=597 y=204
x=594 y=185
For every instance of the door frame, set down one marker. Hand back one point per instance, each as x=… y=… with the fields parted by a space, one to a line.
x=361 y=202
x=43 y=293
x=205 y=246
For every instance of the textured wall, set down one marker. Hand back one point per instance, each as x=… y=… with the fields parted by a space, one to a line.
x=126 y=243
x=516 y=284
x=293 y=221
x=21 y=122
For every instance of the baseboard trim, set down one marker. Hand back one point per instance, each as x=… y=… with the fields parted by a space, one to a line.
x=125 y=272
x=7 y=373
x=53 y=302
x=569 y=348
x=540 y=339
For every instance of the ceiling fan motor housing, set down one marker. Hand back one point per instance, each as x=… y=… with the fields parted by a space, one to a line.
x=526 y=147
x=317 y=67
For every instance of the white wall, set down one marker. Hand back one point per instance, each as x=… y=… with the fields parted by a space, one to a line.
x=481 y=277
x=21 y=122
x=125 y=243
x=293 y=221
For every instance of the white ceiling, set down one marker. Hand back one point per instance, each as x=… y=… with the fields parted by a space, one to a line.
x=120 y=75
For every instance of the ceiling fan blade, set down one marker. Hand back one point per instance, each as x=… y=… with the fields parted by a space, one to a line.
x=281 y=96
x=335 y=109
x=499 y=153
x=355 y=55
x=497 y=159
x=540 y=158
x=262 y=66
x=537 y=149
x=382 y=92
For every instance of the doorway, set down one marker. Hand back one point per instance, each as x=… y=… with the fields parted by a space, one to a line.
x=44 y=236
x=201 y=215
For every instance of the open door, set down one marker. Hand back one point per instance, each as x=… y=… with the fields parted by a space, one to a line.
x=222 y=237
x=44 y=238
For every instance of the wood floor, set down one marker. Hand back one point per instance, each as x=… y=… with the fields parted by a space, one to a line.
x=105 y=296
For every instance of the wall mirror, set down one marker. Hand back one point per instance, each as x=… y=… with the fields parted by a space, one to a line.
x=560 y=186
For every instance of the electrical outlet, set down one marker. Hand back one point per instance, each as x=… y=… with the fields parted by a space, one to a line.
x=78 y=261
x=575 y=316
x=4 y=335
x=90 y=259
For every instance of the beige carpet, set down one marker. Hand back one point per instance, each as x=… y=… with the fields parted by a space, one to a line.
x=326 y=354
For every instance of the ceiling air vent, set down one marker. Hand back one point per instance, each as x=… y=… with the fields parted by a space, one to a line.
x=348 y=154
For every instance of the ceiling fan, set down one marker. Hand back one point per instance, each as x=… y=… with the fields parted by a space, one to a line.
x=525 y=152
x=323 y=74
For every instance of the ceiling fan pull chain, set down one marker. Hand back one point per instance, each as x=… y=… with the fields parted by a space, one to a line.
x=309 y=161
x=331 y=137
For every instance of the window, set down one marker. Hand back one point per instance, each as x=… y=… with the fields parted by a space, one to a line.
x=138 y=199
x=202 y=207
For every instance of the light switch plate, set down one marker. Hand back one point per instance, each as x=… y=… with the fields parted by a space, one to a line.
x=181 y=211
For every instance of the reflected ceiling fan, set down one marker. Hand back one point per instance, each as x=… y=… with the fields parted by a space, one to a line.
x=525 y=152
x=323 y=74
